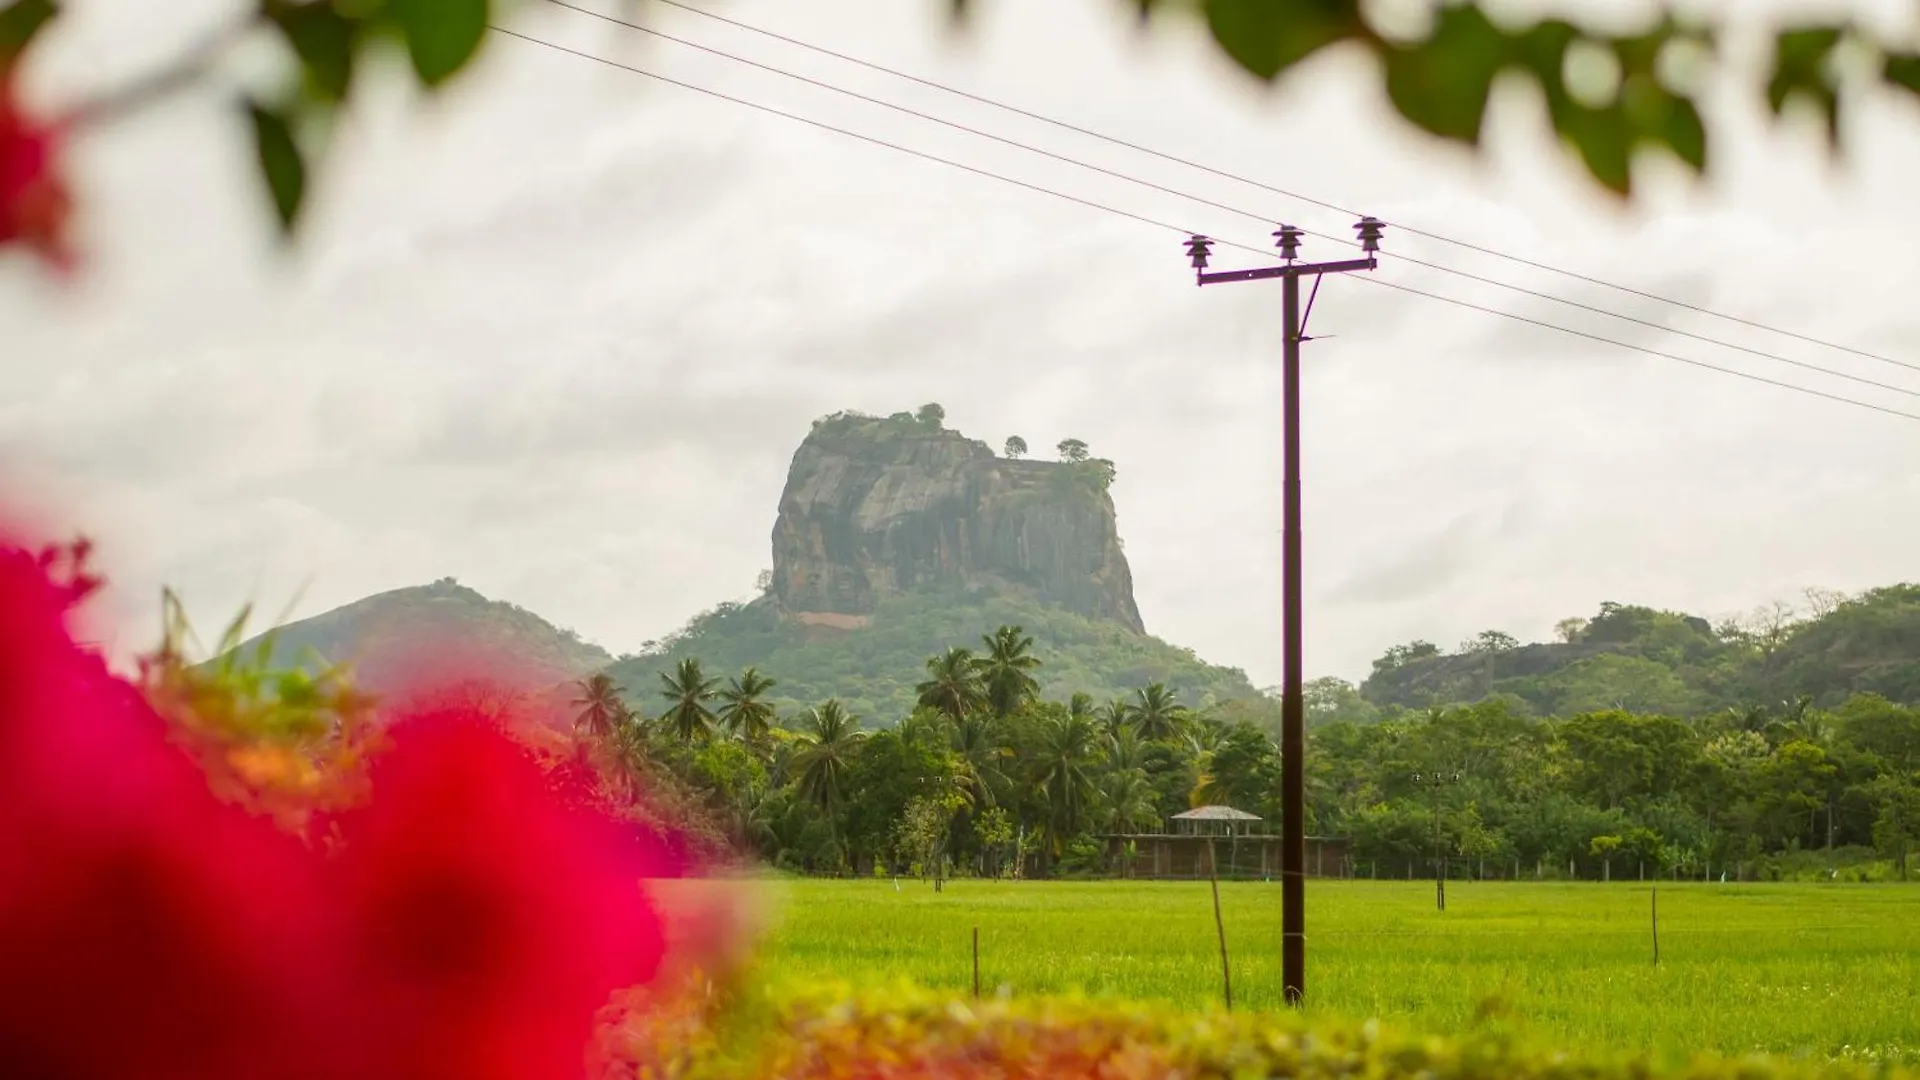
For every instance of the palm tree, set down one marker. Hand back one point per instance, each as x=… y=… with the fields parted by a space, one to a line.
x=1202 y=735
x=601 y=710
x=1207 y=791
x=744 y=714
x=627 y=751
x=1006 y=667
x=980 y=751
x=1127 y=802
x=1797 y=722
x=1202 y=738
x=1080 y=704
x=1115 y=714
x=1064 y=773
x=687 y=691
x=954 y=686
x=1157 y=713
x=828 y=740
x=1125 y=751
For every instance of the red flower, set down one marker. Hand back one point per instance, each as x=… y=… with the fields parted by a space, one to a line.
x=470 y=925
x=489 y=921
x=148 y=931
x=35 y=204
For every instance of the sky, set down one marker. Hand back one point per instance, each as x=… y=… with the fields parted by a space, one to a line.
x=558 y=331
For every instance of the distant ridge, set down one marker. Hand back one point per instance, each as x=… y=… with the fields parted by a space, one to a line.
x=407 y=634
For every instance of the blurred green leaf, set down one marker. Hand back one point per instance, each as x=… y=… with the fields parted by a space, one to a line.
x=236 y=630
x=1903 y=69
x=1799 y=70
x=1639 y=54
x=20 y=21
x=323 y=39
x=1269 y=36
x=442 y=35
x=280 y=161
x=1442 y=84
x=1543 y=50
x=1667 y=118
x=295 y=689
x=1605 y=139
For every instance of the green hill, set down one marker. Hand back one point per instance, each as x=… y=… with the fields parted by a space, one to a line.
x=1651 y=661
x=873 y=669
x=409 y=633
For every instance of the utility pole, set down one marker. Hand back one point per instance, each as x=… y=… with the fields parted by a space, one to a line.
x=1434 y=782
x=1293 y=735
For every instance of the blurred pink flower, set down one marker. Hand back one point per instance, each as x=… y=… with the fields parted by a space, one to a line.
x=488 y=921
x=470 y=924
x=35 y=204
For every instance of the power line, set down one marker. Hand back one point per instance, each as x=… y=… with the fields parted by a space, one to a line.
x=822 y=125
x=1637 y=348
x=1170 y=227
x=1241 y=211
x=1249 y=181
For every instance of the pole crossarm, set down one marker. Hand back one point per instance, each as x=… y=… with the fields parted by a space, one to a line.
x=1290 y=270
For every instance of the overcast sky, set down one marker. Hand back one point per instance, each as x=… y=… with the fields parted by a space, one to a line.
x=558 y=333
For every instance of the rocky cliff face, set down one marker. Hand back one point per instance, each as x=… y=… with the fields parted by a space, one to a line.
x=874 y=507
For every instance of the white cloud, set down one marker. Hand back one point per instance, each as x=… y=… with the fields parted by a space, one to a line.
x=559 y=334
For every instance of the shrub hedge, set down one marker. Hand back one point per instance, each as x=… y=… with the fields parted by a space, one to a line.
x=826 y=1033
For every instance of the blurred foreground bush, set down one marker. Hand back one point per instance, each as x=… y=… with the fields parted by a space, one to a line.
x=825 y=1033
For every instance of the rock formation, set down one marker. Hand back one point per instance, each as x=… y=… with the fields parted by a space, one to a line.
x=874 y=507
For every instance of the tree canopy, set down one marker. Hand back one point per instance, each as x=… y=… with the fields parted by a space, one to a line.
x=1652 y=743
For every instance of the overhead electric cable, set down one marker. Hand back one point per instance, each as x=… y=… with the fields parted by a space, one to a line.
x=824 y=126
x=1603 y=339
x=1249 y=181
x=1241 y=211
x=1170 y=227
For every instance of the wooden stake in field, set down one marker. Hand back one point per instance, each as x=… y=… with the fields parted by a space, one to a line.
x=976 y=963
x=1656 y=926
x=1219 y=925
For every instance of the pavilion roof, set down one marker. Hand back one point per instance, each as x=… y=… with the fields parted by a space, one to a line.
x=1216 y=813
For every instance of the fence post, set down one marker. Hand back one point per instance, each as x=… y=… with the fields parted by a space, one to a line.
x=976 y=963
x=1656 y=925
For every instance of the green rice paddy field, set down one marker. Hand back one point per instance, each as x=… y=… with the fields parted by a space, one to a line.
x=1822 y=971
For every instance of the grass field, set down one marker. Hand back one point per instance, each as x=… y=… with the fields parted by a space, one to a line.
x=1819 y=971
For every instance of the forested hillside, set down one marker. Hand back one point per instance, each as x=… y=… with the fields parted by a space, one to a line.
x=1643 y=743
x=1644 y=660
x=873 y=669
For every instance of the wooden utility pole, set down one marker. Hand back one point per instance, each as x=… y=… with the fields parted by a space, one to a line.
x=1433 y=782
x=1293 y=735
